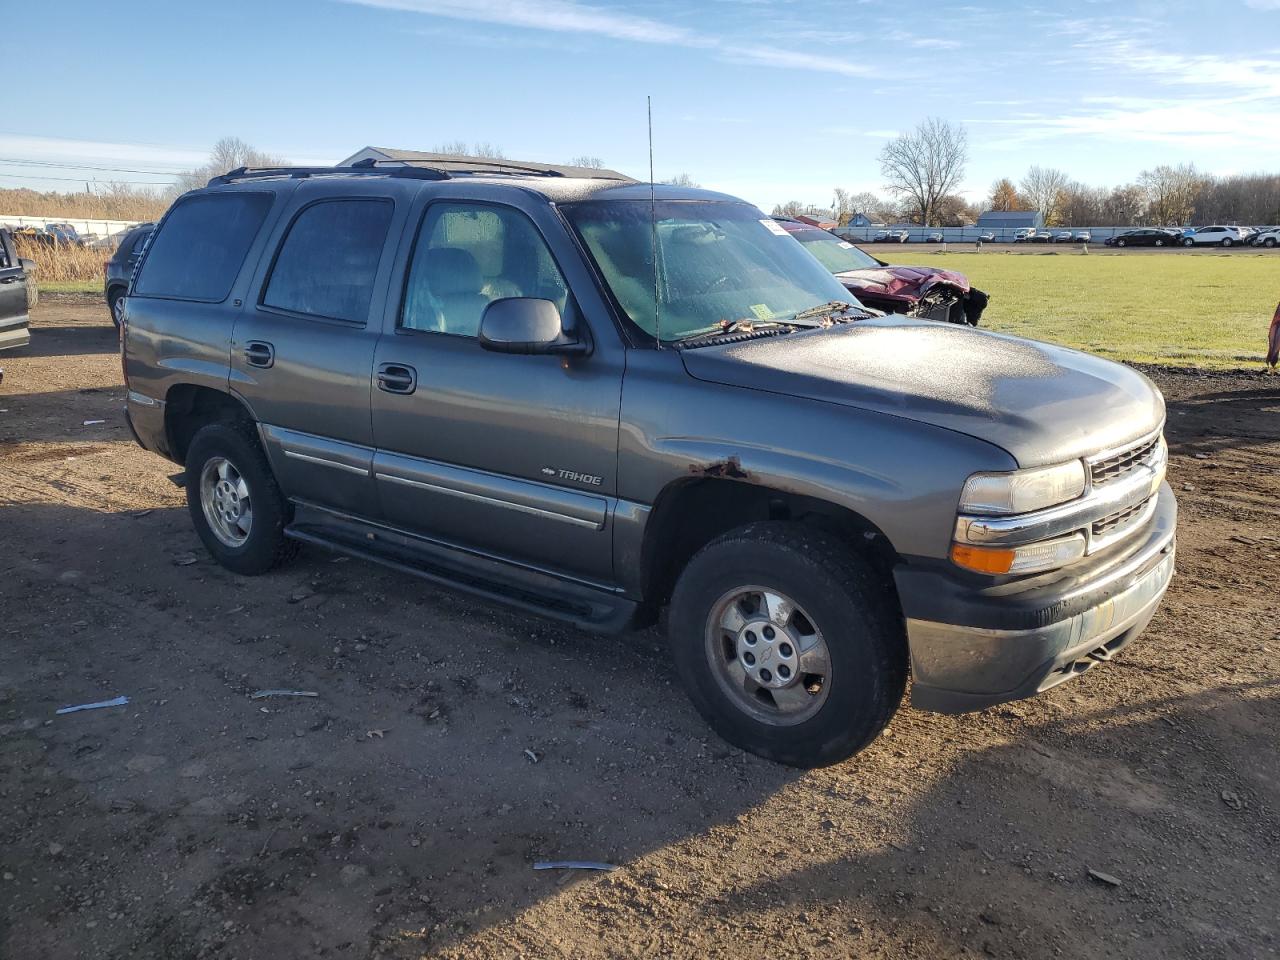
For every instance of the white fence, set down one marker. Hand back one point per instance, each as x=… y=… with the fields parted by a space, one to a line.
x=98 y=228
x=972 y=234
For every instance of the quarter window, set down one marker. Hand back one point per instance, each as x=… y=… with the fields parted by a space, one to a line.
x=468 y=255
x=199 y=248
x=329 y=258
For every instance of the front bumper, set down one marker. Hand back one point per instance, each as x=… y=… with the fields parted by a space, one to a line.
x=974 y=646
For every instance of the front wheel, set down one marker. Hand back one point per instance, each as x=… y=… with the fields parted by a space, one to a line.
x=1122 y=243
x=1188 y=242
x=1159 y=243
x=788 y=644
x=1269 y=243
x=1227 y=241
x=235 y=504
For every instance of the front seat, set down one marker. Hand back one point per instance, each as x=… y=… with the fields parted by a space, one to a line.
x=456 y=290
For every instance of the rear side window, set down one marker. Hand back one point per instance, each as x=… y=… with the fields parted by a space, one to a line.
x=199 y=249
x=328 y=260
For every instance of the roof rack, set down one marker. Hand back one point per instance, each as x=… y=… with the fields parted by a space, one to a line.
x=300 y=173
x=426 y=166
x=456 y=163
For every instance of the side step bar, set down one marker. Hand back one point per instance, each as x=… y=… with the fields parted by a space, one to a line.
x=583 y=606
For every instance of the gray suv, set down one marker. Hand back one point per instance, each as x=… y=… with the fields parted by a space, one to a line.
x=592 y=398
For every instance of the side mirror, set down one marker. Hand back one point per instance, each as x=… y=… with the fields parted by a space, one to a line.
x=525 y=325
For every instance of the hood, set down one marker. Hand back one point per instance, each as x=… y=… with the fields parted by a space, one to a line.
x=1039 y=402
x=903 y=283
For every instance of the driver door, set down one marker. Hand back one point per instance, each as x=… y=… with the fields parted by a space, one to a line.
x=511 y=455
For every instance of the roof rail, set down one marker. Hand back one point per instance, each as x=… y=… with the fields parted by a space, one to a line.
x=456 y=163
x=299 y=173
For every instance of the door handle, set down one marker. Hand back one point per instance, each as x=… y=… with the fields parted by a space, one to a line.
x=397 y=378
x=259 y=353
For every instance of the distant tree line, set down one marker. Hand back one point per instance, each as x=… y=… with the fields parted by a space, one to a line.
x=923 y=169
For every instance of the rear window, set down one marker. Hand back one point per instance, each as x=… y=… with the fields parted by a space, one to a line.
x=329 y=258
x=199 y=248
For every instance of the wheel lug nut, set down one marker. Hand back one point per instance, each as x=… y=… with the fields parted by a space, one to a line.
x=785 y=649
x=751 y=637
x=766 y=676
x=784 y=671
x=749 y=658
x=768 y=633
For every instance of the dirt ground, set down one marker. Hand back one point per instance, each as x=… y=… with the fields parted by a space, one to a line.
x=399 y=812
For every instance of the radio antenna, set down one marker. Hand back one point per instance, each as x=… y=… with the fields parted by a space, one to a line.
x=653 y=226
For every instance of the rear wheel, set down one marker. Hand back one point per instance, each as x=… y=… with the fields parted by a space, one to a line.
x=115 y=300
x=1227 y=241
x=1159 y=243
x=235 y=504
x=788 y=643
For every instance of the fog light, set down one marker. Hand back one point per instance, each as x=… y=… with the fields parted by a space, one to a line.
x=1030 y=558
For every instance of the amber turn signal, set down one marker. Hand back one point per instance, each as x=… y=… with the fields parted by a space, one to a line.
x=982 y=559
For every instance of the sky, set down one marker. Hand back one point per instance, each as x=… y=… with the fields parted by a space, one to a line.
x=770 y=100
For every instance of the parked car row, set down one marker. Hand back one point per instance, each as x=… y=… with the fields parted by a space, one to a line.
x=593 y=399
x=1050 y=235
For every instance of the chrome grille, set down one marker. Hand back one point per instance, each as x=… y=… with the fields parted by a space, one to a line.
x=1113 y=466
x=1117 y=525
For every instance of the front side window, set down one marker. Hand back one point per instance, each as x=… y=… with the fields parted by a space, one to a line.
x=329 y=259
x=468 y=255
x=718 y=262
x=201 y=245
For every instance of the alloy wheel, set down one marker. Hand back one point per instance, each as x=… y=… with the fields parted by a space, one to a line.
x=224 y=497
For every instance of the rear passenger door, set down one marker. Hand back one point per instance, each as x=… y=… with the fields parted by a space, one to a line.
x=302 y=353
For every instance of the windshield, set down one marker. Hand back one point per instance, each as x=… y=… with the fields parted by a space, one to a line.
x=833 y=253
x=718 y=262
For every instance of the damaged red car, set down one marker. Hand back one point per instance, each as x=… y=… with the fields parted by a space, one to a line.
x=915 y=291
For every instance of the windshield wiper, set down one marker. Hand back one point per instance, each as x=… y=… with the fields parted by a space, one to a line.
x=830 y=308
x=745 y=326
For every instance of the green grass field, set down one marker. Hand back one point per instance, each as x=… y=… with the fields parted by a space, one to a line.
x=1172 y=308
x=70 y=286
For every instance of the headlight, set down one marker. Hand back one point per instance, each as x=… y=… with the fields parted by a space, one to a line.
x=1031 y=558
x=1023 y=491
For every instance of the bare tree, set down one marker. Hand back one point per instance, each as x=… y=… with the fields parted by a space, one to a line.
x=846 y=205
x=1041 y=187
x=1124 y=206
x=229 y=153
x=1081 y=205
x=1172 y=192
x=460 y=148
x=925 y=165
x=796 y=208
x=593 y=163
x=681 y=180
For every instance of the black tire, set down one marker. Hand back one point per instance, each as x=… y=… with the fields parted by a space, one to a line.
x=838 y=591
x=1122 y=243
x=1269 y=243
x=1188 y=242
x=1227 y=241
x=1159 y=243
x=115 y=303
x=265 y=546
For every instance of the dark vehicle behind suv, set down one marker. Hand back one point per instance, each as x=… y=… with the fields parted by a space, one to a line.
x=117 y=270
x=591 y=398
x=17 y=288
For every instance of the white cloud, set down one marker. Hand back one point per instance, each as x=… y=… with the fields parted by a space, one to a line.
x=569 y=16
x=135 y=155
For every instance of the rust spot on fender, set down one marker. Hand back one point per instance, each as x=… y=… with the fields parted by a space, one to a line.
x=730 y=469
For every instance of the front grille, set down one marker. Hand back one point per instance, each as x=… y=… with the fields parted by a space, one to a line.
x=1117 y=524
x=1116 y=465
